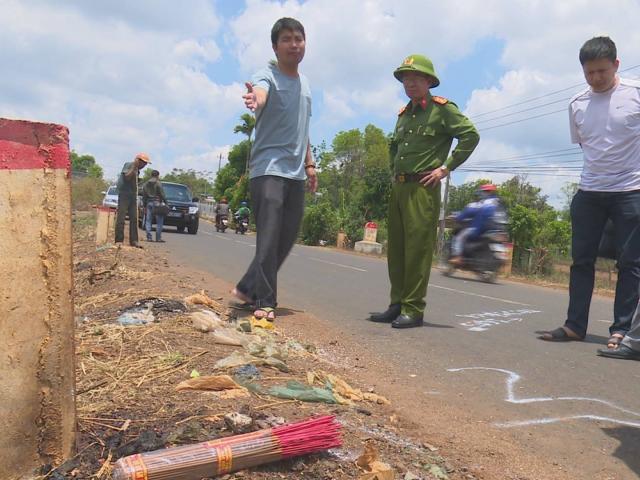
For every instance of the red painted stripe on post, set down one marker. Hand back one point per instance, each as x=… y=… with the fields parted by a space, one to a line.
x=31 y=145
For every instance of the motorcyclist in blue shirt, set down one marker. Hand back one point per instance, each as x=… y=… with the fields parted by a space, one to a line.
x=482 y=214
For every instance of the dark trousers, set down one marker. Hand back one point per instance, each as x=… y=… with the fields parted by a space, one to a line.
x=589 y=214
x=127 y=205
x=278 y=207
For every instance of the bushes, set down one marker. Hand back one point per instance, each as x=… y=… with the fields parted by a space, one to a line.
x=319 y=223
x=86 y=192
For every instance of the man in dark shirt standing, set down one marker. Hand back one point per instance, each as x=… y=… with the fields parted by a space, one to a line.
x=153 y=198
x=127 y=198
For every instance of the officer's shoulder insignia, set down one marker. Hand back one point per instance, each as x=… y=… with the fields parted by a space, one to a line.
x=402 y=110
x=440 y=100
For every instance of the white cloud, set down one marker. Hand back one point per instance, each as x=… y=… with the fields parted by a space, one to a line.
x=129 y=76
x=124 y=77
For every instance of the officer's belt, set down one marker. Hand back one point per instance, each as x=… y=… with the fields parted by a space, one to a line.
x=411 y=177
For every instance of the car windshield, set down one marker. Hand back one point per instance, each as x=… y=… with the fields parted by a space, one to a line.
x=179 y=193
x=112 y=191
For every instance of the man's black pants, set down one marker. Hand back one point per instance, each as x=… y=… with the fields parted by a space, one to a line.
x=278 y=207
x=127 y=205
x=589 y=214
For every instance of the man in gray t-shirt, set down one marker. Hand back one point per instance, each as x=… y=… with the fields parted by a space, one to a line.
x=280 y=161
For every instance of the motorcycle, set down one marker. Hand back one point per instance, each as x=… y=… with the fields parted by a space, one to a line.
x=483 y=256
x=222 y=223
x=242 y=225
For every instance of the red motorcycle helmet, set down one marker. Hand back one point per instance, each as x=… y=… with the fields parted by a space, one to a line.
x=488 y=187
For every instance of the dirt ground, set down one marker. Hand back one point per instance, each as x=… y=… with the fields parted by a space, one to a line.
x=127 y=375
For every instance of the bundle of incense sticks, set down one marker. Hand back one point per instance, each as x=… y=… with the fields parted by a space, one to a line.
x=226 y=455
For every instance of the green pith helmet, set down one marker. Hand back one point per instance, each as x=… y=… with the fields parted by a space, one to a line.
x=417 y=63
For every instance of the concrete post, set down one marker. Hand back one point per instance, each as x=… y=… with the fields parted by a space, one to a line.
x=37 y=377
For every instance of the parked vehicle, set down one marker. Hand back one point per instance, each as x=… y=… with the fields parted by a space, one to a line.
x=483 y=256
x=222 y=223
x=110 y=197
x=183 y=208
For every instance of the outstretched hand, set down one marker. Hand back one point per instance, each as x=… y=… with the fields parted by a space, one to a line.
x=250 y=98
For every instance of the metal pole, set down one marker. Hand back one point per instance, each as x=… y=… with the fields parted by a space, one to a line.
x=441 y=221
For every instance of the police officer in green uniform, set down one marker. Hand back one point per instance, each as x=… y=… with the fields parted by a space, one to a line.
x=419 y=152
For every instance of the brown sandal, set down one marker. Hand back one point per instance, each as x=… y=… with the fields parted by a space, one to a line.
x=560 y=334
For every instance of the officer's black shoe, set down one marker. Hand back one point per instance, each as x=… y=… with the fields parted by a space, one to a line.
x=407 y=321
x=388 y=316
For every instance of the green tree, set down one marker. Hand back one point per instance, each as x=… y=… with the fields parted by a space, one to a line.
x=237 y=157
x=319 y=223
x=461 y=195
x=85 y=165
x=568 y=190
x=195 y=180
x=523 y=226
x=225 y=181
x=376 y=148
x=517 y=191
x=246 y=128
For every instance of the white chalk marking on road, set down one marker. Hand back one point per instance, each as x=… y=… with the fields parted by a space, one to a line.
x=481 y=322
x=603 y=321
x=337 y=264
x=478 y=295
x=513 y=378
x=222 y=237
x=294 y=254
x=546 y=421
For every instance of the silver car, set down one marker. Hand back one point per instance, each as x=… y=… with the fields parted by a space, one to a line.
x=111 y=197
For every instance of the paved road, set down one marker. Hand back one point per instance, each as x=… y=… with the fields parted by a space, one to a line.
x=480 y=348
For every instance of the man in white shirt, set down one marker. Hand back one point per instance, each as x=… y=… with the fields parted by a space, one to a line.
x=605 y=121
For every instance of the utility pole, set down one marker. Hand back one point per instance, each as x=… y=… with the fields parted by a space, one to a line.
x=219 y=162
x=442 y=218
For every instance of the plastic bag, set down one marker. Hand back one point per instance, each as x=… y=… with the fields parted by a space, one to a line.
x=299 y=391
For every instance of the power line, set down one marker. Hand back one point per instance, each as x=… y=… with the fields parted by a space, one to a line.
x=533 y=99
x=539 y=156
x=522 y=111
x=521 y=120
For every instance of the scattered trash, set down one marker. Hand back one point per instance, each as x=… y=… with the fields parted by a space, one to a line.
x=189 y=432
x=194 y=462
x=268 y=421
x=411 y=476
x=238 y=423
x=343 y=390
x=305 y=393
x=162 y=304
x=228 y=336
x=245 y=325
x=373 y=468
x=267 y=348
x=246 y=373
x=238 y=359
x=202 y=299
x=262 y=323
x=214 y=383
x=438 y=472
x=205 y=320
x=429 y=447
x=147 y=440
x=194 y=373
x=137 y=317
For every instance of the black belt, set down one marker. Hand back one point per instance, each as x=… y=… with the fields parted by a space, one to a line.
x=411 y=177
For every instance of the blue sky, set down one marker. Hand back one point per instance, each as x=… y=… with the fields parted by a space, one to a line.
x=167 y=77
